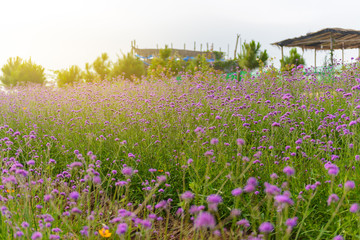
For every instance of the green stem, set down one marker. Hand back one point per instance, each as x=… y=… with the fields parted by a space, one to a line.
x=167 y=223
x=332 y=217
x=305 y=215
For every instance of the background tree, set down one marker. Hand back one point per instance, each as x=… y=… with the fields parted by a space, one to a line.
x=295 y=59
x=102 y=65
x=166 y=64
x=251 y=56
x=198 y=64
x=218 y=55
x=165 y=53
x=88 y=74
x=161 y=61
x=19 y=72
x=129 y=66
x=68 y=76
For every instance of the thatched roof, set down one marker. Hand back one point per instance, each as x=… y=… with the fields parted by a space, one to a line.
x=341 y=39
x=178 y=52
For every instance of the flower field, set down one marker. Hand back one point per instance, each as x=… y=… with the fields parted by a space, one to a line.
x=274 y=156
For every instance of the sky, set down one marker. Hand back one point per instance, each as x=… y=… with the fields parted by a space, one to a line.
x=58 y=34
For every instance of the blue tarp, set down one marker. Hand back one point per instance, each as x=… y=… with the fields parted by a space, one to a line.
x=188 y=58
x=141 y=57
x=211 y=60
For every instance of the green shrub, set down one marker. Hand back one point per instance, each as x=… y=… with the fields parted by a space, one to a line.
x=166 y=64
x=289 y=62
x=19 y=72
x=198 y=64
x=226 y=66
x=88 y=74
x=128 y=66
x=68 y=76
x=102 y=66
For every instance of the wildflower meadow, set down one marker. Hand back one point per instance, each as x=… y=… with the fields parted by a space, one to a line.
x=273 y=156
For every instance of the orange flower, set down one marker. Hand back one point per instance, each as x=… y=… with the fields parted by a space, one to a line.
x=105 y=233
x=10 y=190
x=160 y=170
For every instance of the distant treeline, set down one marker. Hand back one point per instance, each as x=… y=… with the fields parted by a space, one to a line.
x=20 y=72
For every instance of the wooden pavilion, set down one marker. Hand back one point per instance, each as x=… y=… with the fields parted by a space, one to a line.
x=325 y=39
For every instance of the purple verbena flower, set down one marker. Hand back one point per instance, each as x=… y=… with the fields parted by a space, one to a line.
x=121 y=229
x=127 y=171
x=349 y=185
x=74 y=195
x=54 y=237
x=47 y=197
x=243 y=222
x=214 y=198
x=161 y=204
x=289 y=171
x=75 y=164
x=354 y=208
x=205 y=220
x=18 y=234
x=236 y=192
x=30 y=162
x=266 y=227
x=332 y=168
x=332 y=198
x=271 y=189
x=97 y=180
x=25 y=224
x=240 y=142
x=291 y=222
x=284 y=199
x=76 y=210
x=208 y=153
x=36 y=235
x=187 y=196
x=161 y=178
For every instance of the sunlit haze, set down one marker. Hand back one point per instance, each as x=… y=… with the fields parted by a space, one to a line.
x=57 y=34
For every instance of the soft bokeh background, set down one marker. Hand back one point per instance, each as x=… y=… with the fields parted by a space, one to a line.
x=57 y=34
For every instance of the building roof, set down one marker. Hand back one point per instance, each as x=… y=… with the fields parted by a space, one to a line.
x=320 y=40
x=180 y=52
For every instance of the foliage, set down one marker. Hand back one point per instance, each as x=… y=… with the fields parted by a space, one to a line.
x=226 y=66
x=19 y=72
x=165 y=53
x=68 y=76
x=88 y=74
x=102 y=66
x=128 y=66
x=251 y=56
x=218 y=55
x=294 y=60
x=170 y=67
x=175 y=65
x=198 y=64
x=166 y=64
